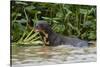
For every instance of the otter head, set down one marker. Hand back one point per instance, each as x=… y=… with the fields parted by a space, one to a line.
x=42 y=26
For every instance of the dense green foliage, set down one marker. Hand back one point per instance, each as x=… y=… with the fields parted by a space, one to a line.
x=66 y=19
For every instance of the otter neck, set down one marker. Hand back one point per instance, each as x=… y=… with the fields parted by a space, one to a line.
x=49 y=31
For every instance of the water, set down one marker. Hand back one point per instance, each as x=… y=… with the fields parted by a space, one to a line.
x=38 y=55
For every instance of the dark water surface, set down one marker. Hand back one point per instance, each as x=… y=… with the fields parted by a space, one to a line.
x=38 y=55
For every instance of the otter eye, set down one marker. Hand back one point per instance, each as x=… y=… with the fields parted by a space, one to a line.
x=36 y=26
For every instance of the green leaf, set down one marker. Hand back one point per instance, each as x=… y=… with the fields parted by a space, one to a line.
x=83 y=11
x=22 y=3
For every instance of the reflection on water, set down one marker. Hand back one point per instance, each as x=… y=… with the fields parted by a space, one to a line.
x=38 y=55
